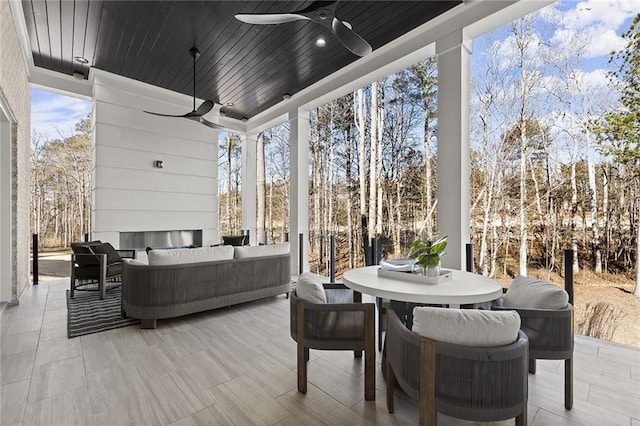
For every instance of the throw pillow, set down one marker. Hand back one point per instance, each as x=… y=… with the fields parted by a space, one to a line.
x=107 y=248
x=235 y=240
x=525 y=292
x=468 y=327
x=260 y=251
x=309 y=287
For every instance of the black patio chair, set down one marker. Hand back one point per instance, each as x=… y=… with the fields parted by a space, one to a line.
x=93 y=264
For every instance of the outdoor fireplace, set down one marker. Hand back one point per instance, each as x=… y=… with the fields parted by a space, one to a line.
x=156 y=239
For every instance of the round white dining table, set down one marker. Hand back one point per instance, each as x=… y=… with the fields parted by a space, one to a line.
x=462 y=288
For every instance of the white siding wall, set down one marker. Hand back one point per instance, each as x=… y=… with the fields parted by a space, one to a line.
x=129 y=193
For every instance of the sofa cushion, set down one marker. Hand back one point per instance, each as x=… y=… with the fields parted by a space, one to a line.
x=525 y=292
x=469 y=327
x=187 y=255
x=106 y=248
x=135 y=262
x=260 y=251
x=309 y=287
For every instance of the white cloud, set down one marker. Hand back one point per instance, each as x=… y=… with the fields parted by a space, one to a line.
x=594 y=80
x=608 y=13
x=603 y=43
x=598 y=21
x=55 y=115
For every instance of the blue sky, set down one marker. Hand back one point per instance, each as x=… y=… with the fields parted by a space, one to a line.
x=54 y=116
x=601 y=21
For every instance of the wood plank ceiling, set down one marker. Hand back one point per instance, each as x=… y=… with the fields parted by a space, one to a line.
x=246 y=68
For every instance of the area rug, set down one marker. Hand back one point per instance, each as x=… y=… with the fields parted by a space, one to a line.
x=87 y=313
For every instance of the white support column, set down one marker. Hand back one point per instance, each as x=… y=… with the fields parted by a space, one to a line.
x=453 y=53
x=249 y=187
x=299 y=204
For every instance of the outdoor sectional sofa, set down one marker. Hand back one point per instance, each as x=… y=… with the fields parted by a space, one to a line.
x=179 y=282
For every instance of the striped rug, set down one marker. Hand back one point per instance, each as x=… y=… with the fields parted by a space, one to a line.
x=87 y=313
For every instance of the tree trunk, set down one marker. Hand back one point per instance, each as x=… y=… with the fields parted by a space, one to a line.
x=523 y=194
x=597 y=255
x=229 y=198
x=362 y=170
x=637 y=290
x=373 y=161
x=380 y=130
x=574 y=216
x=350 y=227
x=261 y=187
x=605 y=211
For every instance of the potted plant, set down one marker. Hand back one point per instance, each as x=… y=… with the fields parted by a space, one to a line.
x=428 y=252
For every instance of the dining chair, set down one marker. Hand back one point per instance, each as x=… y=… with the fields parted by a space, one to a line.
x=332 y=317
x=467 y=381
x=546 y=313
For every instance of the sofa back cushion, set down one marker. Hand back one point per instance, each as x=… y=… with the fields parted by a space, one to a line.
x=468 y=327
x=187 y=255
x=261 y=251
x=525 y=292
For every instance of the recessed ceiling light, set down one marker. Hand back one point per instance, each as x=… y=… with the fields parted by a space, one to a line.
x=81 y=59
x=286 y=96
x=230 y=104
x=321 y=42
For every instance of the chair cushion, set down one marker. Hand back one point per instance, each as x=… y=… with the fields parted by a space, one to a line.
x=260 y=251
x=468 y=327
x=106 y=248
x=309 y=287
x=525 y=292
x=85 y=248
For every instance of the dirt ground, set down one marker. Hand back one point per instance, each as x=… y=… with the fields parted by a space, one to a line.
x=623 y=314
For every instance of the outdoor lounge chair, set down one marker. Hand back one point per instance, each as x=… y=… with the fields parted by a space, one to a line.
x=93 y=264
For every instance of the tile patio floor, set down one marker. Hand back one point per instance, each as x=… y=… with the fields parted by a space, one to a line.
x=237 y=366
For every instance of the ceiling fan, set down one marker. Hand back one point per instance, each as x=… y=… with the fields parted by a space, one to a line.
x=321 y=12
x=204 y=108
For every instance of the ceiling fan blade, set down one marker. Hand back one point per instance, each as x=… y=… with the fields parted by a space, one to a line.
x=166 y=115
x=206 y=122
x=204 y=108
x=321 y=12
x=350 y=38
x=269 y=18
